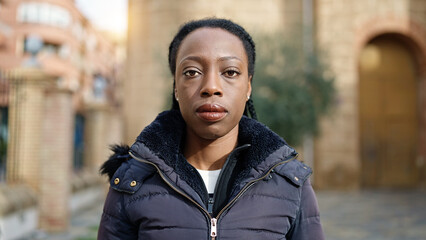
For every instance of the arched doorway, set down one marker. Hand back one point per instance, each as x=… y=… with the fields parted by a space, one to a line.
x=389 y=115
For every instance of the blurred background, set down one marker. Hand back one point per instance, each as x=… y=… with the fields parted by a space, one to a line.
x=342 y=81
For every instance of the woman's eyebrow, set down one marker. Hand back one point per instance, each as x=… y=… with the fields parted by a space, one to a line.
x=198 y=59
x=229 y=58
x=194 y=58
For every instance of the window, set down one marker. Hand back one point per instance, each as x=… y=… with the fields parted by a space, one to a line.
x=51 y=48
x=44 y=13
x=78 y=141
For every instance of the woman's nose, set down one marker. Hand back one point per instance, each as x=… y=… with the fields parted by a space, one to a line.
x=211 y=86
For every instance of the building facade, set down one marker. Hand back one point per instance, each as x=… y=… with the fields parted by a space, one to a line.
x=374 y=136
x=59 y=84
x=79 y=56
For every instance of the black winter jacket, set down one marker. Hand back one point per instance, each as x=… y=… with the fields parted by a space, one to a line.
x=262 y=192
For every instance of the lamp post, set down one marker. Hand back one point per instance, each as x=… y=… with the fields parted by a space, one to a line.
x=33 y=45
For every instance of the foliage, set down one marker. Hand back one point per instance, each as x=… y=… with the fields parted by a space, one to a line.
x=290 y=91
x=91 y=234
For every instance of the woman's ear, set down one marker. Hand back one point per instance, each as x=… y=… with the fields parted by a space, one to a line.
x=176 y=95
x=249 y=88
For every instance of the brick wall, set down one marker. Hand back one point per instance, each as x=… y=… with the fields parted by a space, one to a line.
x=55 y=163
x=26 y=106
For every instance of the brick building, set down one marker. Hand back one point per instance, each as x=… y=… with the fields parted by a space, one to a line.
x=375 y=136
x=58 y=113
x=73 y=51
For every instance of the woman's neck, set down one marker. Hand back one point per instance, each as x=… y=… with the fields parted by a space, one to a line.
x=205 y=154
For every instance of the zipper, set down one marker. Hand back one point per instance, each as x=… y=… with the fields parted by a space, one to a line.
x=213 y=221
x=213 y=228
x=251 y=183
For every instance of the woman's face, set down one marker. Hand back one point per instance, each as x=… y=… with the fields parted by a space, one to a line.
x=212 y=82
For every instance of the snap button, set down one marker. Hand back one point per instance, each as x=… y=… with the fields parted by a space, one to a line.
x=133 y=183
x=267 y=177
x=116 y=181
x=295 y=178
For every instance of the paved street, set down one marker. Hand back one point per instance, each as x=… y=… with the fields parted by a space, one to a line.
x=373 y=215
x=366 y=215
x=84 y=226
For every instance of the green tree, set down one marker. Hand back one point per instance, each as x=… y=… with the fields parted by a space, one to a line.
x=290 y=90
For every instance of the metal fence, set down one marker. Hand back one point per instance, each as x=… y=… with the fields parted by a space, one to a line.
x=4 y=118
x=10 y=91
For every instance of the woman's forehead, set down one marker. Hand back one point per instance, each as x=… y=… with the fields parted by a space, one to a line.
x=212 y=42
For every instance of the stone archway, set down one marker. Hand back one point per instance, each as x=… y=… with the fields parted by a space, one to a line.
x=392 y=86
x=388 y=113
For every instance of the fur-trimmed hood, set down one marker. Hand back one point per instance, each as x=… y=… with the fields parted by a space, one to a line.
x=160 y=143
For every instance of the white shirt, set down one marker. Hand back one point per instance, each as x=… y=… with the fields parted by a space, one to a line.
x=210 y=178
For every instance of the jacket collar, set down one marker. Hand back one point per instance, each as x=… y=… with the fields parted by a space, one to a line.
x=160 y=142
x=164 y=136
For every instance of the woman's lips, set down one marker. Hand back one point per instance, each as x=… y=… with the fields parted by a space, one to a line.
x=211 y=112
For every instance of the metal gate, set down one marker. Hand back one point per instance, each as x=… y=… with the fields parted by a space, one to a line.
x=10 y=91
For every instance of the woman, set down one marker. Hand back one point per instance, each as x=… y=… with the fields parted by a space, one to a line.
x=203 y=170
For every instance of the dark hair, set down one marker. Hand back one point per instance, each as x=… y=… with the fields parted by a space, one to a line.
x=224 y=24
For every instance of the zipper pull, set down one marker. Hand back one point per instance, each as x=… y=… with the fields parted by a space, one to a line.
x=210 y=205
x=213 y=228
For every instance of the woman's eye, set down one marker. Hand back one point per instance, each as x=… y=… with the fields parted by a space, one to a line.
x=231 y=73
x=191 y=73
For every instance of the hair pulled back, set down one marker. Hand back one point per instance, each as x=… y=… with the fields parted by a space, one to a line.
x=226 y=25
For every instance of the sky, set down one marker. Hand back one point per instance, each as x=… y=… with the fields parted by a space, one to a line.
x=110 y=15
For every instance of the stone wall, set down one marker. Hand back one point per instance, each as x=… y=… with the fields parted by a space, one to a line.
x=343 y=28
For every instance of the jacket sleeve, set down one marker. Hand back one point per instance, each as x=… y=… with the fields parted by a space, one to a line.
x=115 y=223
x=307 y=225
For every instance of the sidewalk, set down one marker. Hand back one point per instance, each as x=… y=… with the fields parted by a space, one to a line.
x=84 y=226
x=366 y=215
x=373 y=215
